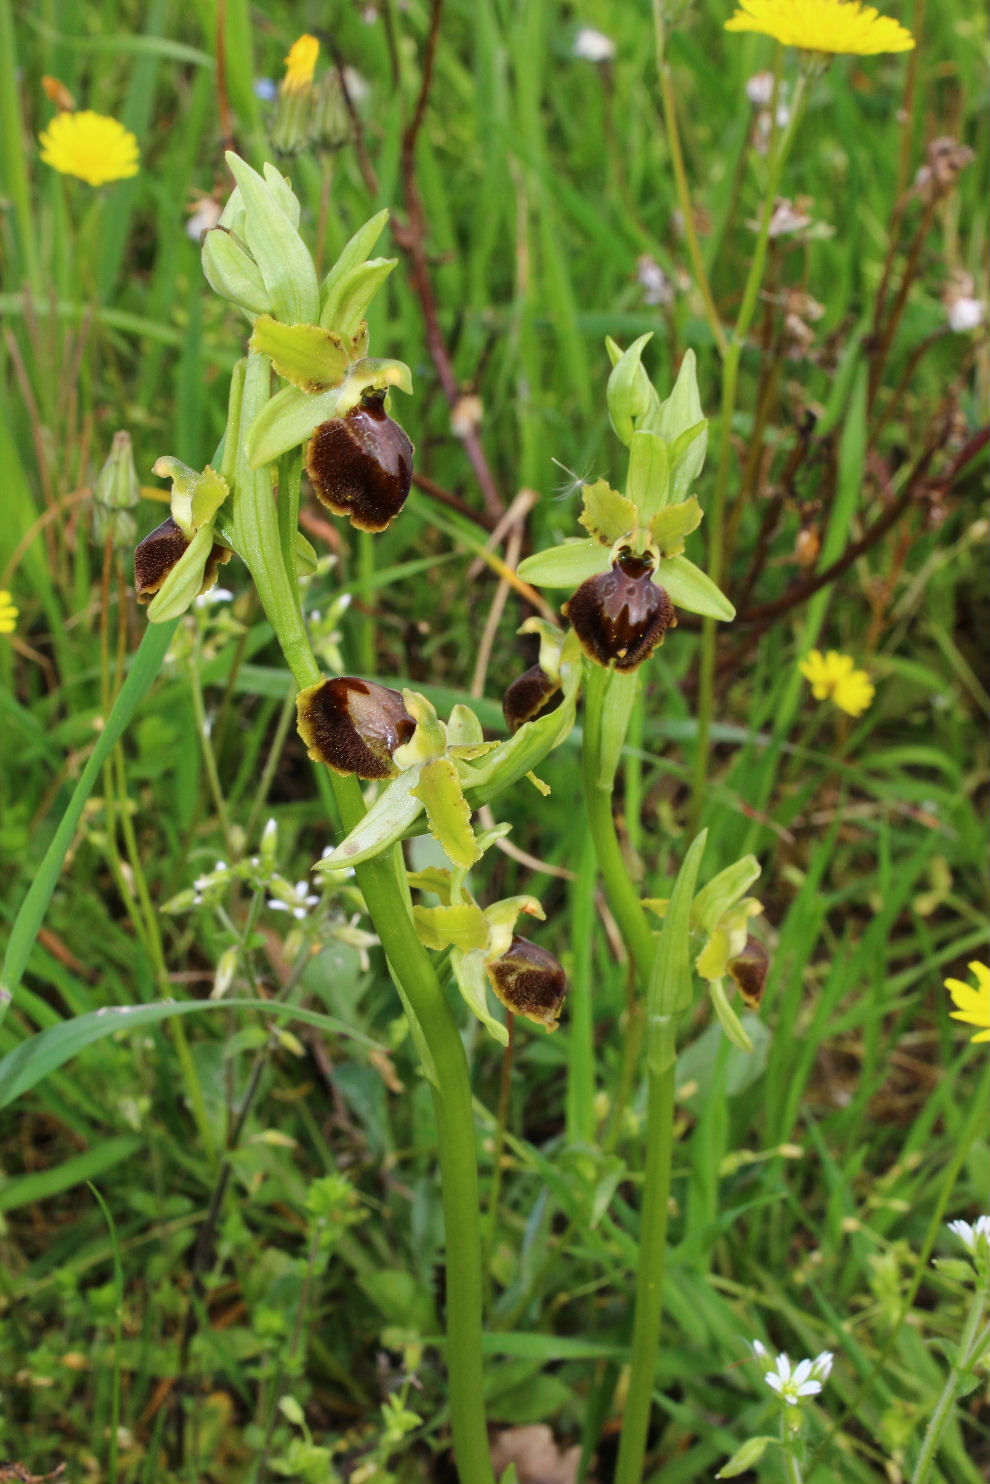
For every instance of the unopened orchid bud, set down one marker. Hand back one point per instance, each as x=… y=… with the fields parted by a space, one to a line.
x=749 y=969
x=162 y=550
x=531 y=695
x=354 y=725
x=529 y=981
x=361 y=464
x=621 y=616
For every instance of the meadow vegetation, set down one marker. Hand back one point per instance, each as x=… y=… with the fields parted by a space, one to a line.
x=222 y=1250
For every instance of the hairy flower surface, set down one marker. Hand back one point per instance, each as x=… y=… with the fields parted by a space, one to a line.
x=300 y=64
x=9 y=612
x=834 y=676
x=823 y=25
x=972 y=1005
x=91 y=146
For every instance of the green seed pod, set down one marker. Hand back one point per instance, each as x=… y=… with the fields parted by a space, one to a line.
x=621 y=616
x=354 y=725
x=361 y=464
x=161 y=550
x=531 y=695
x=529 y=981
x=749 y=970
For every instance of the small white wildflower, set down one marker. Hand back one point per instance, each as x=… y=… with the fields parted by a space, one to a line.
x=759 y=1349
x=792 y=1384
x=964 y=314
x=657 y=287
x=759 y=89
x=295 y=899
x=593 y=46
x=358 y=87
x=821 y=1366
x=970 y=1235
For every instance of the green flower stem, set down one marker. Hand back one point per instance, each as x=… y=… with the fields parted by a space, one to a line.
x=641 y=944
x=730 y=386
x=257 y=537
x=947 y=1401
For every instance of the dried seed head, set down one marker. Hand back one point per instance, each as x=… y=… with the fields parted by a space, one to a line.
x=621 y=616
x=531 y=695
x=749 y=970
x=529 y=981
x=353 y=725
x=361 y=464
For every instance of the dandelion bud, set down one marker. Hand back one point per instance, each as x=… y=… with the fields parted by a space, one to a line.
x=529 y=981
x=531 y=695
x=161 y=550
x=361 y=464
x=749 y=970
x=621 y=616
x=353 y=725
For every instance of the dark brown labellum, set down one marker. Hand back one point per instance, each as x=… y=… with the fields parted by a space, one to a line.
x=530 y=981
x=621 y=616
x=531 y=695
x=361 y=465
x=749 y=970
x=353 y=725
x=158 y=553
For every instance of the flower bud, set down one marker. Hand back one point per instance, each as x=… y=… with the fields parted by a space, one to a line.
x=161 y=550
x=354 y=725
x=749 y=970
x=361 y=464
x=529 y=981
x=621 y=616
x=530 y=695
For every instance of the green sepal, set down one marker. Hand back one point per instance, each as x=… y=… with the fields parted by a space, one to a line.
x=501 y=919
x=681 y=413
x=305 y=556
x=371 y=375
x=687 y=455
x=484 y=778
x=462 y=926
x=632 y=398
x=429 y=740
x=728 y=1019
x=447 y=810
x=567 y=565
x=185 y=581
x=232 y=273
x=436 y=879
x=472 y=981
x=285 y=197
x=286 y=420
x=463 y=728
x=312 y=358
x=553 y=640
x=745 y=1457
x=724 y=889
x=606 y=515
x=352 y=254
x=688 y=587
x=671 y=524
x=648 y=481
x=196 y=497
x=671 y=987
x=346 y=304
x=276 y=246
x=391 y=815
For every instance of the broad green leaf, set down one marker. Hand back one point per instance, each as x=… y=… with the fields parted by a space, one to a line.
x=688 y=587
x=232 y=273
x=394 y=811
x=567 y=565
x=447 y=809
x=288 y=419
x=346 y=304
x=312 y=358
x=745 y=1457
x=40 y=1185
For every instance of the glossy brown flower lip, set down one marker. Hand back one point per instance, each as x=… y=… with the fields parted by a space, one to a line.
x=749 y=969
x=622 y=615
x=158 y=553
x=353 y=725
x=530 y=695
x=530 y=982
x=361 y=465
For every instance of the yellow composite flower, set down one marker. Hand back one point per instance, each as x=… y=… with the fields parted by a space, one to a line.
x=834 y=677
x=300 y=64
x=8 y=612
x=823 y=25
x=972 y=1005
x=91 y=146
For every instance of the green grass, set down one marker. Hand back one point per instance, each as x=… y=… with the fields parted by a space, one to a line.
x=811 y=1179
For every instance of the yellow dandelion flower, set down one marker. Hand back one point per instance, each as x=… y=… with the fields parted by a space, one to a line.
x=91 y=146
x=8 y=612
x=300 y=64
x=834 y=677
x=823 y=25
x=973 y=1005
